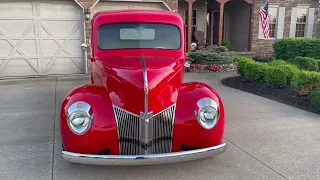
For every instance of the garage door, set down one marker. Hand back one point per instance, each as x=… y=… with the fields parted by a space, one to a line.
x=41 y=38
x=109 y=5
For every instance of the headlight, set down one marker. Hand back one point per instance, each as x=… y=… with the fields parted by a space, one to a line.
x=80 y=116
x=207 y=113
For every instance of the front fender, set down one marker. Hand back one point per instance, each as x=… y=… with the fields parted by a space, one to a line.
x=187 y=131
x=102 y=134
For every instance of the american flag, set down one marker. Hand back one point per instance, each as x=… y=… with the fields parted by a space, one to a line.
x=264 y=18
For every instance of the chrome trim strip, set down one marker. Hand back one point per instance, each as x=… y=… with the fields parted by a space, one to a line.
x=117 y=121
x=146 y=116
x=145 y=85
x=151 y=159
x=114 y=106
x=173 y=120
x=165 y=109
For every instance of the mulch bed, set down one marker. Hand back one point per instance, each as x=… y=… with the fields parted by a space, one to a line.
x=289 y=96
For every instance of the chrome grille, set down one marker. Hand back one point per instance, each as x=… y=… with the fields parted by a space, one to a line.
x=128 y=131
x=162 y=131
x=131 y=126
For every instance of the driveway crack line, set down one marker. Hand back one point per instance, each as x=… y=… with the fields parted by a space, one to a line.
x=257 y=159
x=54 y=127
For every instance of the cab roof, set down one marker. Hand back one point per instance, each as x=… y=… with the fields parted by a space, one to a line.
x=136 y=12
x=112 y=16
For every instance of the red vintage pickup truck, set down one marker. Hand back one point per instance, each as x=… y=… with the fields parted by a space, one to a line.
x=137 y=109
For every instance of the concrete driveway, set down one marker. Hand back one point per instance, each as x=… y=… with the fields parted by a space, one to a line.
x=267 y=140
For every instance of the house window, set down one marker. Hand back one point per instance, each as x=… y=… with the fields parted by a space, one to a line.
x=276 y=15
x=273 y=16
x=301 y=23
x=194 y=23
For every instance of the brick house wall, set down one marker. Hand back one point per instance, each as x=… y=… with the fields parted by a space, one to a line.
x=262 y=48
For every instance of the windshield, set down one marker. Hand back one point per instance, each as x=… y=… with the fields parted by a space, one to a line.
x=138 y=35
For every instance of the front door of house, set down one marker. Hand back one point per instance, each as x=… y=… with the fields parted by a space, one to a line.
x=215 y=27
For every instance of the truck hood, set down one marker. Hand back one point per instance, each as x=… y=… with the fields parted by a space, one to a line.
x=124 y=81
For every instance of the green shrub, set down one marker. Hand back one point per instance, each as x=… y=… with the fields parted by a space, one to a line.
x=289 y=48
x=305 y=80
x=226 y=44
x=212 y=55
x=318 y=60
x=256 y=71
x=276 y=77
x=281 y=76
x=190 y=59
x=223 y=49
x=292 y=72
x=305 y=63
x=277 y=63
x=242 y=61
x=237 y=58
x=315 y=97
x=277 y=73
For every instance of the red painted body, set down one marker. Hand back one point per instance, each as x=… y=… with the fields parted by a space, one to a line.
x=117 y=78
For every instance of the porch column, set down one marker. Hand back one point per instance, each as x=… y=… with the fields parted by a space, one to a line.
x=190 y=3
x=222 y=2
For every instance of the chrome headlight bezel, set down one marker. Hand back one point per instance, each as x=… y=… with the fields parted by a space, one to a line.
x=79 y=117
x=207 y=113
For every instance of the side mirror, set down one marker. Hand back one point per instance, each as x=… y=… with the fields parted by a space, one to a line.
x=193 y=46
x=84 y=47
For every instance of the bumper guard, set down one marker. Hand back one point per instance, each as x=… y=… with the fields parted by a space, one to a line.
x=150 y=159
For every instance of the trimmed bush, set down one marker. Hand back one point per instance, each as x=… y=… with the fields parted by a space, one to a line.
x=315 y=97
x=291 y=73
x=289 y=48
x=277 y=63
x=318 y=60
x=255 y=71
x=277 y=73
x=211 y=55
x=305 y=63
x=305 y=80
x=281 y=76
x=242 y=61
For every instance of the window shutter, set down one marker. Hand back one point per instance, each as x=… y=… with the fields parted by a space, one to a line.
x=260 y=34
x=293 y=22
x=310 y=21
x=280 y=25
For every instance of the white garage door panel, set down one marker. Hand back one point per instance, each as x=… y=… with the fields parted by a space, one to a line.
x=43 y=38
x=105 y=6
x=15 y=9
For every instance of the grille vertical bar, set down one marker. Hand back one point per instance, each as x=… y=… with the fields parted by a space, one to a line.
x=128 y=130
x=160 y=132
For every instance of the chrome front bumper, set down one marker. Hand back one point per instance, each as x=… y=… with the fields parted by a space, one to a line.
x=151 y=159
